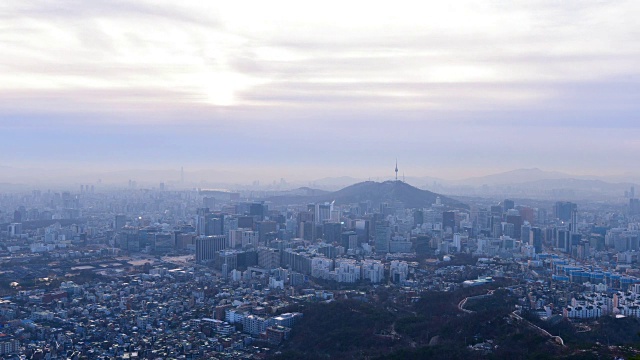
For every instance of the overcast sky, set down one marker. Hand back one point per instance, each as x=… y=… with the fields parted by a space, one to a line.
x=303 y=90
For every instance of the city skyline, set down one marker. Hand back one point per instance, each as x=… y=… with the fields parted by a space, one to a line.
x=270 y=91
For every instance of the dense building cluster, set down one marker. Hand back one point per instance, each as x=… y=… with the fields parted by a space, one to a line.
x=154 y=273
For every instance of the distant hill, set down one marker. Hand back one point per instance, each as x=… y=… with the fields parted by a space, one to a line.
x=376 y=192
x=333 y=183
x=299 y=192
x=579 y=184
x=515 y=177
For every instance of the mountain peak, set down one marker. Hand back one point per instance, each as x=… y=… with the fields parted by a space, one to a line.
x=377 y=193
x=389 y=191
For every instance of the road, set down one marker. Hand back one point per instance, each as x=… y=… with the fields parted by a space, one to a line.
x=461 y=306
x=544 y=332
x=463 y=302
x=557 y=339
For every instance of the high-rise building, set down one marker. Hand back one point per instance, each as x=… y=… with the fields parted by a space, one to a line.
x=541 y=217
x=323 y=212
x=331 y=232
x=128 y=239
x=214 y=224
x=563 y=239
x=573 y=224
x=508 y=229
x=496 y=210
x=563 y=209
x=634 y=206
x=14 y=229
x=525 y=234
x=482 y=219
x=163 y=243
x=576 y=239
x=201 y=215
x=257 y=210
x=382 y=237
x=398 y=271
x=264 y=229
x=362 y=230
x=307 y=230
x=208 y=246
x=527 y=214
x=183 y=241
x=268 y=258
x=422 y=244
x=418 y=217
x=349 y=240
x=209 y=202
x=457 y=241
x=516 y=220
x=120 y=222
x=536 y=239
x=449 y=220
x=508 y=205
x=226 y=260
x=496 y=230
x=245 y=222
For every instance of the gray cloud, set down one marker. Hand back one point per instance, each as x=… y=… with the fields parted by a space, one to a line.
x=66 y=10
x=503 y=85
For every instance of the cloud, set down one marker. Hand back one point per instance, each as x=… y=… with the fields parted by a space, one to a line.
x=250 y=81
x=216 y=52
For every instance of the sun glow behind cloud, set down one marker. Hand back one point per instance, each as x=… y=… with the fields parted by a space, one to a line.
x=280 y=72
x=216 y=53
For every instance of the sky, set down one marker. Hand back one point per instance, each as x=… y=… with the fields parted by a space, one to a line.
x=305 y=90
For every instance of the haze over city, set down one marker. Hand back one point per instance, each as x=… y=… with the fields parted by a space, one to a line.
x=319 y=180
x=270 y=90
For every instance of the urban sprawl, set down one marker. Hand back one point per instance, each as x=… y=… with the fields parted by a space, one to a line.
x=195 y=274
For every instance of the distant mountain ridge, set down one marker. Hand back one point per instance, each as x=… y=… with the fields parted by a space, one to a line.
x=376 y=192
x=523 y=183
x=515 y=177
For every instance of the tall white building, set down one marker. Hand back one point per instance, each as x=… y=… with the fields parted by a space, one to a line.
x=347 y=270
x=373 y=270
x=398 y=271
x=457 y=241
x=323 y=212
x=321 y=267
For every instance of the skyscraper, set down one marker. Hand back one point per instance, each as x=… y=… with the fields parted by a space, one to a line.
x=449 y=220
x=322 y=213
x=214 y=224
x=331 y=232
x=120 y=222
x=536 y=237
x=563 y=209
x=516 y=220
x=208 y=246
x=418 y=217
x=382 y=237
x=634 y=206
x=257 y=210
x=508 y=205
x=573 y=224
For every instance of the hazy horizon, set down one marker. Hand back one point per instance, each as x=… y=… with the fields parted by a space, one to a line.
x=264 y=91
x=249 y=177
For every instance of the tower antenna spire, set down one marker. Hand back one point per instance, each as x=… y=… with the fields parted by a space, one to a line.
x=396 y=169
